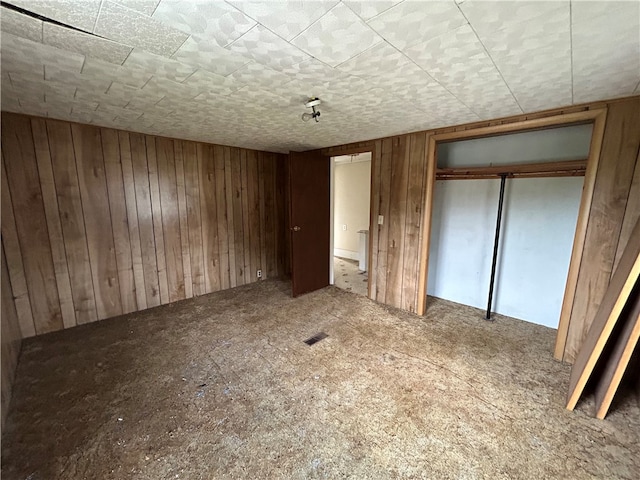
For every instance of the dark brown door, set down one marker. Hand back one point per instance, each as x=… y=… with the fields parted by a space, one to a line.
x=309 y=221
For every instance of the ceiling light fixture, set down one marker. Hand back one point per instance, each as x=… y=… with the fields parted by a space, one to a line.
x=312 y=104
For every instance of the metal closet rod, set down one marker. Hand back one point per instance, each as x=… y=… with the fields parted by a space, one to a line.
x=496 y=241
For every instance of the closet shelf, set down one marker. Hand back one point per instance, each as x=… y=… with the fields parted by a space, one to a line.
x=567 y=168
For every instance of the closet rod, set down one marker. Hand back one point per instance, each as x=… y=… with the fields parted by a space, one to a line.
x=547 y=169
x=503 y=179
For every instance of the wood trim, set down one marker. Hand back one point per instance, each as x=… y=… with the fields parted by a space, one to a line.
x=548 y=169
x=581 y=232
x=597 y=116
x=430 y=182
x=533 y=124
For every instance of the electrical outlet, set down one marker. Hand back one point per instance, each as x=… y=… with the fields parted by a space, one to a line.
x=344 y=227
x=259 y=273
x=380 y=219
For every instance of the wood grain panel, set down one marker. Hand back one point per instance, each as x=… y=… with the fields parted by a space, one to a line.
x=15 y=267
x=72 y=220
x=373 y=221
x=145 y=218
x=283 y=201
x=156 y=209
x=183 y=218
x=209 y=215
x=168 y=187
x=253 y=190
x=87 y=146
x=613 y=183
x=384 y=198
x=231 y=234
x=413 y=218
x=246 y=223
x=192 y=185
x=50 y=200
x=238 y=235
x=631 y=213
x=270 y=214
x=221 y=212
x=132 y=219
x=119 y=219
x=11 y=338
x=31 y=224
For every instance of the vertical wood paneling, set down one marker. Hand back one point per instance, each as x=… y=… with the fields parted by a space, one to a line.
x=183 y=218
x=168 y=187
x=253 y=191
x=192 y=184
x=221 y=212
x=11 y=338
x=145 y=218
x=375 y=211
x=261 y=190
x=231 y=242
x=50 y=200
x=156 y=210
x=415 y=201
x=132 y=219
x=236 y=181
x=72 y=220
x=397 y=224
x=631 y=214
x=119 y=219
x=383 y=230
x=31 y=224
x=87 y=146
x=246 y=223
x=270 y=214
x=281 y=253
x=611 y=192
x=209 y=216
x=15 y=267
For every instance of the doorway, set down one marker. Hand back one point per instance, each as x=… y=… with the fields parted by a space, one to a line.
x=350 y=217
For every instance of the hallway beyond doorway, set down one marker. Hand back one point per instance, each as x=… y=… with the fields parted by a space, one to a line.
x=348 y=277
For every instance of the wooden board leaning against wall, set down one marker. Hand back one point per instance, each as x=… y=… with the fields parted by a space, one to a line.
x=98 y=222
x=616 y=191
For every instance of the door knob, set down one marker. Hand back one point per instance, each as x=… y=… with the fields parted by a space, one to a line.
x=296 y=228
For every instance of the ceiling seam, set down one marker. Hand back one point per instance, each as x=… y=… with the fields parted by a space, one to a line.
x=490 y=58
x=95 y=23
x=311 y=25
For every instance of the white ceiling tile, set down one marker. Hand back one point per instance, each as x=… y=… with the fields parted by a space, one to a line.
x=459 y=62
x=366 y=9
x=85 y=44
x=605 y=64
x=259 y=75
x=337 y=36
x=159 y=66
x=21 y=25
x=143 y=6
x=211 y=83
x=492 y=16
x=267 y=48
x=285 y=18
x=70 y=77
x=129 y=27
x=207 y=19
x=412 y=22
x=129 y=76
x=210 y=56
x=21 y=50
x=81 y=14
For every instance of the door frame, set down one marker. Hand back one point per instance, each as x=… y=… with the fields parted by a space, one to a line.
x=332 y=212
x=597 y=117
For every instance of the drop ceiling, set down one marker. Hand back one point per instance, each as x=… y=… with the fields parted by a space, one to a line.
x=239 y=72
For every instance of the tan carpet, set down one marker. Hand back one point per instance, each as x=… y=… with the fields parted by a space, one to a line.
x=223 y=386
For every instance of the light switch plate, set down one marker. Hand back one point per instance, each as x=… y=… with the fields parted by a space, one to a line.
x=380 y=219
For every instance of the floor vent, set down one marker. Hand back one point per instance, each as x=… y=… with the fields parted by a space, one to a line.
x=316 y=338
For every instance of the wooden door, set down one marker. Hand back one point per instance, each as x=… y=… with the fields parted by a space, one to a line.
x=309 y=182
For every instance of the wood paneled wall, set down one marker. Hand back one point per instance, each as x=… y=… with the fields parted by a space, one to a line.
x=11 y=339
x=99 y=222
x=398 y=193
